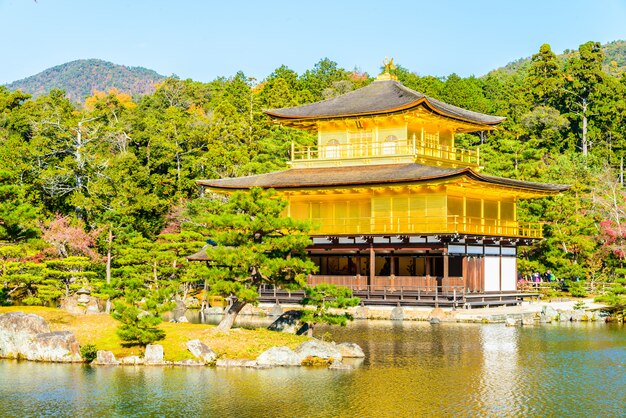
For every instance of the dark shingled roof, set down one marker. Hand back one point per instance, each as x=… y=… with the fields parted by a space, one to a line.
x=379 y=97
x=367 y=175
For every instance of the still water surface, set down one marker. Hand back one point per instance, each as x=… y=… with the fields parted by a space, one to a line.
x=411 y=369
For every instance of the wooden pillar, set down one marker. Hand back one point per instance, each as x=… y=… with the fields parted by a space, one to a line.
x=446 y=261
x=372 y=265
x=392 y=267
x=427 y=272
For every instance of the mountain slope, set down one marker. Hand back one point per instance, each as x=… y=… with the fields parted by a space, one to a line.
x=614 y=59
x=80 y=78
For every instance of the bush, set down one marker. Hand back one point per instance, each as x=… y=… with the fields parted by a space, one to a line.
x=576 y=289
x=89 y=352
x=137 y=327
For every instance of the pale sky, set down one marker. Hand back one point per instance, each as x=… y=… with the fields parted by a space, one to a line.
x=203 y=40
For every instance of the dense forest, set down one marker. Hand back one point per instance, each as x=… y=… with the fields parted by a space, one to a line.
x=96 y=194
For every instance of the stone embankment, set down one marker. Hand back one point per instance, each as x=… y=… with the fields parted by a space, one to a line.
x=29 y=337
x=526 y=313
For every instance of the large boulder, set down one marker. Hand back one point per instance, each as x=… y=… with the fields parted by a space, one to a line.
x=279 y=356
x=17 y=332
x=57 y=346
x=154 y=354
x=320 y=349
x=200 y=350
x=28 y=336
x=350 y=350
x=105 y=358
x=288 y=322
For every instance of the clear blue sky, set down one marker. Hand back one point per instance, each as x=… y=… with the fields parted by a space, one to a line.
x=206 y=39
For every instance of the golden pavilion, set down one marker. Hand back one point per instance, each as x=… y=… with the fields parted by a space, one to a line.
x=399 y=208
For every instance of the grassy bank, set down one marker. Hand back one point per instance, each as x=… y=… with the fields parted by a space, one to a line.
x=100 y=331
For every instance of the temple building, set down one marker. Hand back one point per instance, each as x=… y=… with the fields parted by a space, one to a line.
x=396 y=205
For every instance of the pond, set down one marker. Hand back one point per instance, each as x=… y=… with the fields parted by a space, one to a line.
x=411 y=369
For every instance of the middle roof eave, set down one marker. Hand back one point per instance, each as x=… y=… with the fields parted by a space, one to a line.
x=366 y=175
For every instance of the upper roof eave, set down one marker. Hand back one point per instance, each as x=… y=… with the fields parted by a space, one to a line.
x=378 y=98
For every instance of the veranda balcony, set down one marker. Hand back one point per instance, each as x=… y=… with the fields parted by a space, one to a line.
x=419 y=150
x=426 y=225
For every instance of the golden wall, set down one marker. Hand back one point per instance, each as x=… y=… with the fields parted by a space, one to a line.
x=405 y=211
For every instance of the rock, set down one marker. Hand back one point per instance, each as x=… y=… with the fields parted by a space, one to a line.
x=183 y=319
x=200 y=350
x=29 y=337
x=320 y=349
x=288 y=322
x=337 y=365
x=512 y=322
x=276 y=310
x=434 y=321
x=279 y=356
x=93 y=306
x=578 y=315
x=528 y=319
x=57 y=346
x=543 y=319
x=189 y=362
x=132 y=360
x=397 y=314
x=437 y=313
x=81 y=304
x=17 y=331
x=361 y=313
x=154 y=354
x=105 y=358
x=350 y=350
x=550 y=313
x=236 y=363
x=565 y=316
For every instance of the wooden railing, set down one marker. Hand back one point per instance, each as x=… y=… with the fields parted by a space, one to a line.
x=392 y=283
x=372 y=149
x=419 y=225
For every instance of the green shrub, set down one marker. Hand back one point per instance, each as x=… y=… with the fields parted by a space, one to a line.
x=137 y=327
x=89 y=352
x=576 y=289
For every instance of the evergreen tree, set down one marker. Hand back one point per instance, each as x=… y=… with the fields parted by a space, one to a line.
x=256 y=245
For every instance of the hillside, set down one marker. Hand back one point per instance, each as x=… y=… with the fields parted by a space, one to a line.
x=614 y=59
x=80 y=78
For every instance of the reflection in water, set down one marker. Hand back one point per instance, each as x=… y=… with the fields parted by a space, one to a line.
x=411 y=369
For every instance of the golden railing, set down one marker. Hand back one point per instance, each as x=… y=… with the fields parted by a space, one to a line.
x=426 y=225
x=370 y=149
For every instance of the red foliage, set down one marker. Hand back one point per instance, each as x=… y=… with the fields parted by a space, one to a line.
x=70 y=240
x=614 y=238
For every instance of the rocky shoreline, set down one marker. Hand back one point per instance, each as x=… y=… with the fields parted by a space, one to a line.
x=28 y=337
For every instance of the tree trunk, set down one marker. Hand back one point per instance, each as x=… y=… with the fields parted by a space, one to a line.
x=585 y=141
x=108 y=266
x=229 y=318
